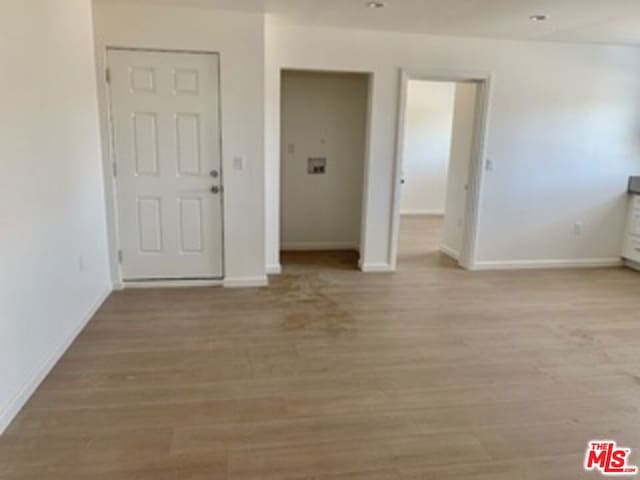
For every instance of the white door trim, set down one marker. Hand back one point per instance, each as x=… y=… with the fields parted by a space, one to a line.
x=111 y=180
x=484 y=80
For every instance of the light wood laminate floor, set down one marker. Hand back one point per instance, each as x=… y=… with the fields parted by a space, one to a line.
x=331 y=374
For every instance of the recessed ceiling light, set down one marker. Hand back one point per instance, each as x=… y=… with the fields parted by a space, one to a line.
x=539 y=18
x=376 y=4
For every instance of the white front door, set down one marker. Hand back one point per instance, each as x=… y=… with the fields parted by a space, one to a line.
x=166 y=137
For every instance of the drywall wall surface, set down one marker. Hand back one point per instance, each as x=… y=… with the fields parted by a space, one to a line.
x=323 y=117
x=239 y=39
x=562 y=134
x=427 y=142
x=460 y=160
x=54 y=270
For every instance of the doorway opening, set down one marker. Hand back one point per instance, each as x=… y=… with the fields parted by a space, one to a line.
x=440 y=143
x=323 y=144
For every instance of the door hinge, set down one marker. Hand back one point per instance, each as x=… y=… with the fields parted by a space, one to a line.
x=115 y=169
x=120 y=257
x=107 y=75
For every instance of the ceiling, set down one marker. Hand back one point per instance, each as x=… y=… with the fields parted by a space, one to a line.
x=598 y=21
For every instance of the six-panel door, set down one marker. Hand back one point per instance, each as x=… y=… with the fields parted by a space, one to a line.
x=166 y=134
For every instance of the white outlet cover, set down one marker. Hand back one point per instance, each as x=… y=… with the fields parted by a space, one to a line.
x=491 y=166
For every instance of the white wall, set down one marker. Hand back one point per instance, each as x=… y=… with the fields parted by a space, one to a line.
x=460 y=161
x=323 y=115
x=427 y=143
x=563 y=133
x=53 y=240
x=239 y=38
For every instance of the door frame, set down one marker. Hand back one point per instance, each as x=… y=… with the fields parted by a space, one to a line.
x=362 y=243
x=113 y=228
x=484 y=82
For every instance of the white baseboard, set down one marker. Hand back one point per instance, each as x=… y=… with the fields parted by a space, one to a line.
x=275 y=269
x=172 y=284
x=311 y=246
x=422 y=213
x=31 y=386
x=376 y=268
x=548 y=264
x=631 y=264
x=246 y=282
x=450 y=252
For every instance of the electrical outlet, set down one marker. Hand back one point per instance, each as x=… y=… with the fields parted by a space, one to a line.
x=491 y=166
x=578 y=227
x=291 y=149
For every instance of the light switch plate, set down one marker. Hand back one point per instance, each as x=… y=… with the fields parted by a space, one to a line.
x=238 y=163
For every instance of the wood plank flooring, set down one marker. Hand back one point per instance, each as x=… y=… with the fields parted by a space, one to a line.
x=331 y=374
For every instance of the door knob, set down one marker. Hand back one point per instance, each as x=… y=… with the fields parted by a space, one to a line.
x=214 y=173
x=215 y=190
